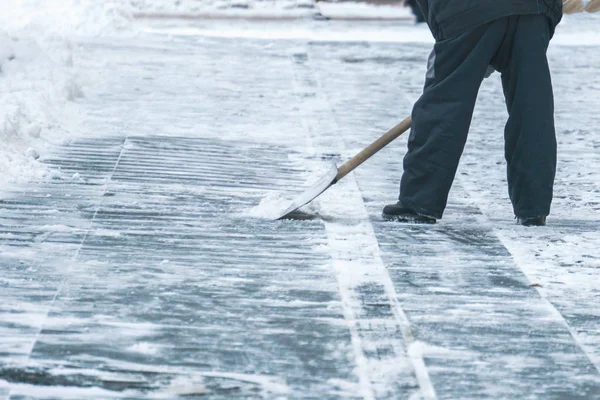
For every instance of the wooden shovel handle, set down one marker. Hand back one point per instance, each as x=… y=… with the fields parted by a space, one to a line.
x=373 y=148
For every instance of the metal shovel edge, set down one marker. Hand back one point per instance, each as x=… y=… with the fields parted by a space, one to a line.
x=335 y=174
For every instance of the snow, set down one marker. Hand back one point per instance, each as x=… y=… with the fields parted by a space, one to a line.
x=39 y=79
x=356 y=260
x=363 y=11
x=270 y=207
x=192 y=7
x=161 y=258
x=300 y=31
x=33 y=92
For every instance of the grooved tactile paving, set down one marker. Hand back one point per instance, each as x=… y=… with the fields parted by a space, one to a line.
x=171 y=282
x=140 y=269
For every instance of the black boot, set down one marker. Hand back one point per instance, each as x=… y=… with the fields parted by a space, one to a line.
x=532 y=221
x=398 y=212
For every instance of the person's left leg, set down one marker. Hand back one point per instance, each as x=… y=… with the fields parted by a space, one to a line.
x=441 y=120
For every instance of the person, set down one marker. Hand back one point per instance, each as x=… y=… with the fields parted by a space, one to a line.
x=472 y=36
x=414 y=7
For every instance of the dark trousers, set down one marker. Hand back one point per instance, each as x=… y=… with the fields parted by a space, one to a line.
x=516 y=47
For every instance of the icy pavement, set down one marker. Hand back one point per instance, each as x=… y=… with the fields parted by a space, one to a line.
x=144 y=270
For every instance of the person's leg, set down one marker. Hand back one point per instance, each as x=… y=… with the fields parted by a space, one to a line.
x=530 y=141
x=442 y=116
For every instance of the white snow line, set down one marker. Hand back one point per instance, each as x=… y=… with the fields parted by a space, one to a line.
x=354 y=267
x=355 y=251
x=519 y=261
x=416 y=358
x=331 y=11
x=338 y=264
x=357 y=346
x=287 y=16
x=230 y=15
x=112 y=173
x=381 y=35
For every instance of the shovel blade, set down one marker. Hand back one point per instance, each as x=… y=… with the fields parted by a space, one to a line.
x=313 y=192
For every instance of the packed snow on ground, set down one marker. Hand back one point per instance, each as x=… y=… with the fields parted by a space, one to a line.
x=228 y=7
x=263 y=8
x=39 y=78
x=271 y=8
x=36 y=82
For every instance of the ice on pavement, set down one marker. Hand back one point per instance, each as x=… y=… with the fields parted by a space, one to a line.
x=137 y=254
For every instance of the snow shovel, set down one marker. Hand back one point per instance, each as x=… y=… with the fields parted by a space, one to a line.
x=335 y=174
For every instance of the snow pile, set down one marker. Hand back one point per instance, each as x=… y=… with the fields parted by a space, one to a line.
x=578 y=30
x=352 y=10
x=195 y=7
x=38 y=78
x=64 y=17
x=33 y=91
x=263 y=8
x=271 y=206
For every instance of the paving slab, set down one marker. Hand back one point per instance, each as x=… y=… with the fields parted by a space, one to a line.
x=512 y=334
x=141 y=270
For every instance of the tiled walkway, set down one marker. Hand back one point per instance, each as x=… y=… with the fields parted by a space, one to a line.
x=140 y=272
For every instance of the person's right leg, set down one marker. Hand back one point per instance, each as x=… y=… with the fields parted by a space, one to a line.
x=530 y=141
x=442 y=116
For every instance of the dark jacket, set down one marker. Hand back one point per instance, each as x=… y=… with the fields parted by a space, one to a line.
x=416 y=10
x=448 y=18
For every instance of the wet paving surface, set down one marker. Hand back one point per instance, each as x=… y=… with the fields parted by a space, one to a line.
x=167 y=272
x=142 y=271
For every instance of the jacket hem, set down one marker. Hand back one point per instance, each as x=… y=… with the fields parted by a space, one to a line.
x=485 y=12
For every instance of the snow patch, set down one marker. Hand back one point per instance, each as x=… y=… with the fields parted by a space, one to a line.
x=269 y=384
x=39 y=77
x=571 y=31
x=270 y=207
x=185 y=386
x=145 y=348
x=63 y=392
x=106 y=233
x=66 y=17
x=419 y=349
x=351 y=10
x=56 y=228
x=195 y=7
x=33 y=89
x=400 y=34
